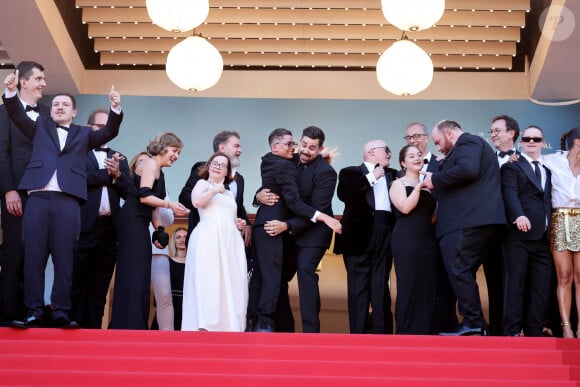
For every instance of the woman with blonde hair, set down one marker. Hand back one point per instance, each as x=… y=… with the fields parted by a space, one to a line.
x=133 y=276
x=565 y=234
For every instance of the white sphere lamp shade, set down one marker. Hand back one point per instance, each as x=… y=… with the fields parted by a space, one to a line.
x=194 y=64
x=178 y=15
x=413 y=15
x=404 y=69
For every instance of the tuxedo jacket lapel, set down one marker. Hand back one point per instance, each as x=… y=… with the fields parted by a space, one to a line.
x=525 y=166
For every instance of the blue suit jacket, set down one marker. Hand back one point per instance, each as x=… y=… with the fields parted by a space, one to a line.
x=46 y=154
x=468 y=187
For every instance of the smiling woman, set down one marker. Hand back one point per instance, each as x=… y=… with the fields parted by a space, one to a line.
x=132 y=281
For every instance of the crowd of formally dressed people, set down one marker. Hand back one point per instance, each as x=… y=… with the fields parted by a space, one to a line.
x=67 y=196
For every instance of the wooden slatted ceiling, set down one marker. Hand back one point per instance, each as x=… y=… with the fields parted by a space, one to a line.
x=471 y=35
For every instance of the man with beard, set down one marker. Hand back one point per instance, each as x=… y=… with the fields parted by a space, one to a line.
x=470 y=210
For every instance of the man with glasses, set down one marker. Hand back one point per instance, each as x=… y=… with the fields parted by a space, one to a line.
x=279 y=174
x=416 y=134
x=366 y=241
x=470 y=210
x=108 y=180
x=504 y=132
x=526 y=187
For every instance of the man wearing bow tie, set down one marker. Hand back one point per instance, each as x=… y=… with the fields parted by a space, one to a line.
x=55 y=180
x=504 y=132
x=15 y=150
x=108 y=180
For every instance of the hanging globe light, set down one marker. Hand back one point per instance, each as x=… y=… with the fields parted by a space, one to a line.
x=194 y=64
x=413 y=15
x=177 y=15
x=404 y=68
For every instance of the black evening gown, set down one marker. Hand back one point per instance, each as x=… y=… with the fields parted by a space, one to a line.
x=131 y=295
x=414 y=250
x=177 y=272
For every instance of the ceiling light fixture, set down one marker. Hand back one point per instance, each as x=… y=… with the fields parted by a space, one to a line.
x=404 y=68
x=177 y=15
x=413 y=15
x=194 y=64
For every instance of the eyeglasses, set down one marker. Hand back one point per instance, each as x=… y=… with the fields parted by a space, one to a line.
x=414 y=136
x=217 y=165
x=99 y=126
x=289 y=144
x=496 y=131
x=532 y=139
x=386 y=148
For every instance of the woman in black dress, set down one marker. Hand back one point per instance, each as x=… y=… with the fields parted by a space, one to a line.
x=131 y=297
x=414 y=246
x=177 y=254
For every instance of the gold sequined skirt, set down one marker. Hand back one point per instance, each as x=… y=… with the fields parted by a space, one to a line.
x=565 y=233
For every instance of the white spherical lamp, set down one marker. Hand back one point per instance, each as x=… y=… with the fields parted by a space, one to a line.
x=413 y=15
x=194 y=64
x=178 y=15
x=404 y=68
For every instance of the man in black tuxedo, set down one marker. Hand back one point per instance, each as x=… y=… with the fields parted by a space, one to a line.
x=108 y=180
x=279 y=174
x=470 y=208
x=504 y=132
x=307 y=242
x=227 y=142
x=444 y=316
x=365 y=243
x=56 y=182
x=526 y=186
x=15 y=151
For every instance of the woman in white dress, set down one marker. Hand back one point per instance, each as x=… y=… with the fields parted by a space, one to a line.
x=215 y=287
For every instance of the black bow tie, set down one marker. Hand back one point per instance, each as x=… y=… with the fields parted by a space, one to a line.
x=504 y=154
x=425 y=161
x=29 y=108
x=62 y=127
x=102 y=150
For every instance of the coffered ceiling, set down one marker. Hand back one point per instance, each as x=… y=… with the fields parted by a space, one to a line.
x=83 y=41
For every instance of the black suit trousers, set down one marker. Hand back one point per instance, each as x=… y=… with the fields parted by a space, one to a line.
x=50 y=226
x=463 y=251
x=269 y=253
x=93 y=268
x=11 y=276
x=528 y=268
x=367 y=283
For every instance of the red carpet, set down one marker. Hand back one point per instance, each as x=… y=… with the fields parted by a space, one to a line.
x=53 y=357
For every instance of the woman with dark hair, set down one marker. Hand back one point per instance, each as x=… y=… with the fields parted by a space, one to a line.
x=131 y=297
x=215 y=286
x=565 y=233
x=414 y=247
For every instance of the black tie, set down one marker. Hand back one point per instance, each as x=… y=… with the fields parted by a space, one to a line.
x=502 y=154
x=425 y=161
x=62 y=127
x=29 y=108
x=102 y=150
x=537 y=171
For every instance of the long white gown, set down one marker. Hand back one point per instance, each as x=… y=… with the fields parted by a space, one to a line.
x=215 y=286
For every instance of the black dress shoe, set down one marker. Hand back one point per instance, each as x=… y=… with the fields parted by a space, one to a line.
x=29 y=322
x=65 y=323
x=466 y=330
x=264 y=327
